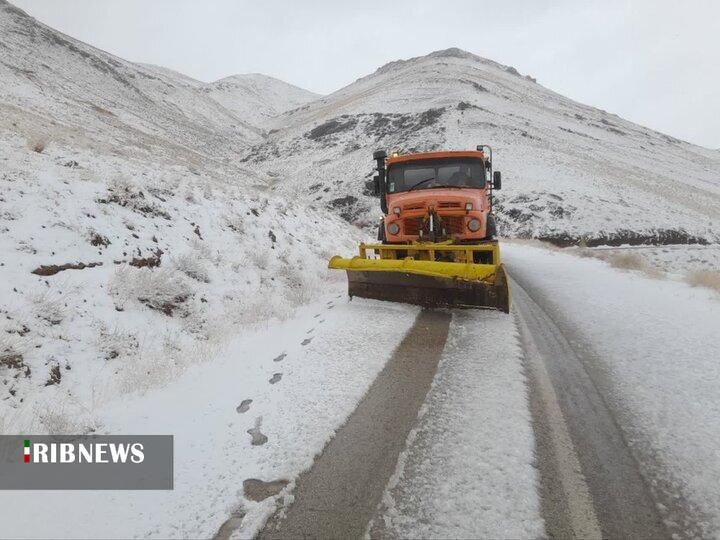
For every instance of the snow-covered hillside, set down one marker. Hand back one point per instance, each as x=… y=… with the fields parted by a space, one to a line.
x=570 y=170
x=132 y=244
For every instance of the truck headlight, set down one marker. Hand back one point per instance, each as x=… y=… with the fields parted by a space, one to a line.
x=468 y=206
x=393 y=228
x=474 y=225
x=396 y=210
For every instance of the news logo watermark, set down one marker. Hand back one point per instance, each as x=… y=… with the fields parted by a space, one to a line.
x=86 y=462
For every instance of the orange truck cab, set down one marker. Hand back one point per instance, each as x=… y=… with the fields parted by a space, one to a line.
x=436 y=196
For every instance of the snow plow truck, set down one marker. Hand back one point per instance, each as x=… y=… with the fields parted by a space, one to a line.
x=437 y=244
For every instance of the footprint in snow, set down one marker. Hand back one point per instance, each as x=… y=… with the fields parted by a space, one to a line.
x=258 y=438
x=279 y=357
x=244 y=406
x=233 y=523
x=257 y=490
x=321 y=321
x=316 y=316
x=275 y=378
x=309 y=330
x=330 y=307
x=306 y=341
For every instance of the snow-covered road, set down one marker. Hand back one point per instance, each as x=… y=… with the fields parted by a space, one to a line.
x=452 y=450
x=645 y=377
x=468 y=467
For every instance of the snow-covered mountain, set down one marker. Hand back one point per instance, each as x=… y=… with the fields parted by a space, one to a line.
x=79 y=94
x=257 y=98
x=570 y=170
x=253 y=98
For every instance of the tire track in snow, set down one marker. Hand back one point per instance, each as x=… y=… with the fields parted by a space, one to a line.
x=591 y=483
x=468 y=469
x=338 y=496
x=566 y=501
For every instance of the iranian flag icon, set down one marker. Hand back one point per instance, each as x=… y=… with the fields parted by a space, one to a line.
x=27 y=451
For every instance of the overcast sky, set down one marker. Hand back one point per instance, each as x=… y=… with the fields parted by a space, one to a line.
x=654 y=62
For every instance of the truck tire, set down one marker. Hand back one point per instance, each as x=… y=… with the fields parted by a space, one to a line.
x=381 y=235
x=490 y=227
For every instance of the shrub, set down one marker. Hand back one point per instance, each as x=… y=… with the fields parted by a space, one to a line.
x=626 y=261
x=622 y=259
x=259 y=257
x=49 y=307
x=55 y=376
x=299 y=287
x=160 y=289
x=709 y=279
x=192 y=266
x=116 y=343
x=58 y=422
x=146 y=371
x=38 y=144
x=11 y=357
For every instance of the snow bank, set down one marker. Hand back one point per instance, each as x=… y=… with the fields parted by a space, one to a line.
x=468 y=470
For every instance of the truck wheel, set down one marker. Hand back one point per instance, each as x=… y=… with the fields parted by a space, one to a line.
x=381 y=236
x=490 y=227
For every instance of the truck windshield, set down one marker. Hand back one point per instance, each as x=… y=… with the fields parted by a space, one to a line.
x=433 y=173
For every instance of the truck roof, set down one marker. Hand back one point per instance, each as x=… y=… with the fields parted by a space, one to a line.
x=435 y=155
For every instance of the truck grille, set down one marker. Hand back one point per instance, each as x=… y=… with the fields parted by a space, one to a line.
x=413 y=226
x=452 y=225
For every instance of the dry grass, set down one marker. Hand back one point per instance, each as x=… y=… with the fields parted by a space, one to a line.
x=633 y=261
x=709 y=279
x=156 y=364
x=49 y=306
x=11 y=358
x=626 y=260
x=57 y=421
x=192 y=266
x=160 y=289
x=259 y=258
x=38 y=144
x=299 y=287
x=621 y=259
x=116 y=343
x=147 y=371
x=13 y=351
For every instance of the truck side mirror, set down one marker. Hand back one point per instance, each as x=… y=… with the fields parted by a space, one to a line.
x=497 y=180
x=376 y=185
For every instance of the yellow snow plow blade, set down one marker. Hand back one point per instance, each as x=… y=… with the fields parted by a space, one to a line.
x=473 y=277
